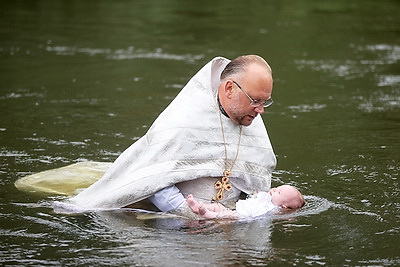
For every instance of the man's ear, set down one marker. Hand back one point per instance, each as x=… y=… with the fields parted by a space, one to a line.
x=228 y=88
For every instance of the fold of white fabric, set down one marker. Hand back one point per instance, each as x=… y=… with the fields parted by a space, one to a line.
x=255 y=206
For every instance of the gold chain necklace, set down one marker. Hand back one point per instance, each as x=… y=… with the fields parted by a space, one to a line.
x=224 y=184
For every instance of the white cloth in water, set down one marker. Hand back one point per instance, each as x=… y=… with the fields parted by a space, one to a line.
x=255 y=206
x=185 y=143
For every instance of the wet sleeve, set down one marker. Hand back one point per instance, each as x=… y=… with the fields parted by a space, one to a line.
x=167 y=199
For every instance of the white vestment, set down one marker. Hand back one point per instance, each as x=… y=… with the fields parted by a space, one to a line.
x=185 y=143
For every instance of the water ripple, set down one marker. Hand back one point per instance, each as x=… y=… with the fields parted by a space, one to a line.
x=314 y=205
x=382 y=55
x=381 y=101
x=122 y=54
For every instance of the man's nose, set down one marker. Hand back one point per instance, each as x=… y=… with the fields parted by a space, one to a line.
x=260 y=109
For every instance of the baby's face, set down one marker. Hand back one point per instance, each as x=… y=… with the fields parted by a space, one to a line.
x=281 y=195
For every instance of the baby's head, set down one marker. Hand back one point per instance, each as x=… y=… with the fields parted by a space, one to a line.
x=286 y=196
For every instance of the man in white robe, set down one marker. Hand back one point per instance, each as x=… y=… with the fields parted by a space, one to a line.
x=211 y=126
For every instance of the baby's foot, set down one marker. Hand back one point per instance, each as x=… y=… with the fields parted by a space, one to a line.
x=193 y=204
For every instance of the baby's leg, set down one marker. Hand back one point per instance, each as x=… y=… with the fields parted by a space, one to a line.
x=225 y=213
x=206 y=213
x=201 y=208
x=216 y=207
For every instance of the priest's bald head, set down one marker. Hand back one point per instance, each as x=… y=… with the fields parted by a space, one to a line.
x=245 y=88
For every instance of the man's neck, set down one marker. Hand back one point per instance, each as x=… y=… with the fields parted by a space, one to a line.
x=221 y=108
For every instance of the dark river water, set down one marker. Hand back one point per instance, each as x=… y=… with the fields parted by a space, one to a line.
x=82 y=80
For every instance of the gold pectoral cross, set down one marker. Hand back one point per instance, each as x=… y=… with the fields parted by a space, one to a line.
x=222 y=185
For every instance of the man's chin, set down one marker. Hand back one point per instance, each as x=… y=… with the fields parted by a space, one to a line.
x=246 y=120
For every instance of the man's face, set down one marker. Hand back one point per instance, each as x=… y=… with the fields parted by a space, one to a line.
x=257 y=83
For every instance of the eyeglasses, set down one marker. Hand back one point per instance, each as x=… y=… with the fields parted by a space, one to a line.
x=256 y=103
